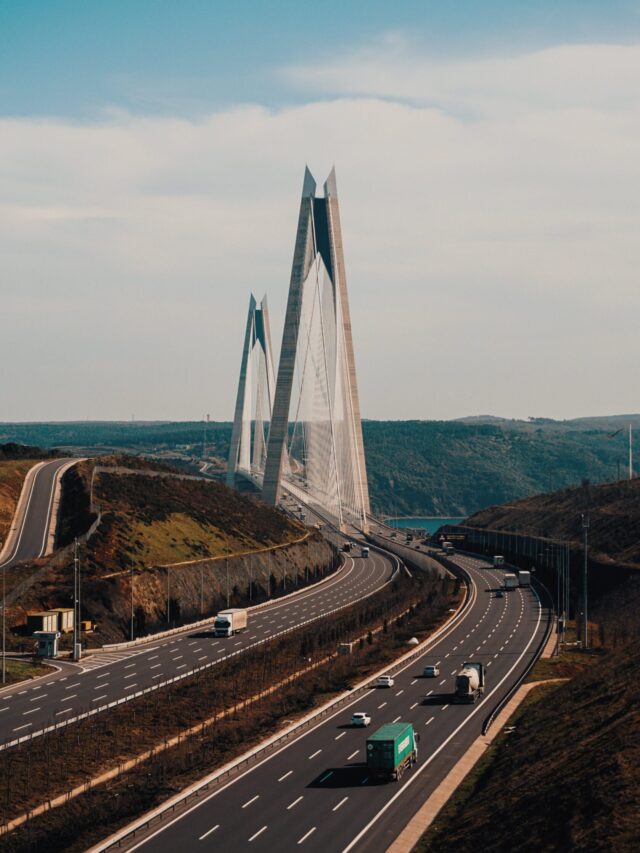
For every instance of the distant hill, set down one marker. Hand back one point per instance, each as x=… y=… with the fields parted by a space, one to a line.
x=450 y=468
x=614 y=516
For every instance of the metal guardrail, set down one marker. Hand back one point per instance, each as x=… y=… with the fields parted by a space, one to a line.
x=123 y=699
x=534 y=660
x=273 y=745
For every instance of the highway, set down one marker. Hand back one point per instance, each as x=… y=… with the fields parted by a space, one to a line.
x=31 y=539
x=106 y=677
x=315 y=793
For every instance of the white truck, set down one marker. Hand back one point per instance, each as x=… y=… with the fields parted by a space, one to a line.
x=524 y=578
x=498 y=560
x=448 y=548
x=469 y=684
x=364 y=551
x=229 y=622
x=510 y=581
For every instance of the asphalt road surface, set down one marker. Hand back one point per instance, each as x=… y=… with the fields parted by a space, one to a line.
x=315 y=793
x=31 y=540
x=105 y=677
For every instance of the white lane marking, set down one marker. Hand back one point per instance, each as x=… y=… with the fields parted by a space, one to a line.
x=39 y=696
x=304 y=837
x=259 y=832
x=129 y=665
x=400 y=692
x=341 y=803
x=131 y=686
x=32 y=711
x=67 y=698
x=414 y=681
x=155 y=666
x=64 y=711
x=98 y=698
x=413 y=706
x=442 y=682
x=353 y=755
x=313 y=754
x=131 y=675
x=26 y=726
x=294 y=803
x=101 y=686
x=429 y=721
x=105 y=674
x=209 y=831
x=335 y=738
x=285 y=776
x=398 y=718
x=381 y=706
x=252 y=800
x=69 y=686
x=444 y=707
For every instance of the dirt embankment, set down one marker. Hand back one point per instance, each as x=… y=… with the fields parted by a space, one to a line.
x=176 y=548
x=567 y=777
x=614 y=519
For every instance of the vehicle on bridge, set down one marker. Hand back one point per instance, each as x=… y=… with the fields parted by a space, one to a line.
x=469 y=684
x=364 y=551
x=359 y=718
x=524 y=578
x=448 y=548
x=384 y=681
x=498 y=560
x=391 y=750
x=430 y=672
x=510 y=581
x=229 y=622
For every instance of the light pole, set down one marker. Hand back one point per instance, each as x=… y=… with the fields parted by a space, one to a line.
x=168 y=598
x=228 y=590
x=4 y=621
x=131 y=633
x=585 y=528
x=75 y=599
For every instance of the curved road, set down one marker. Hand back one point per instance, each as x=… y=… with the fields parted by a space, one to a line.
x=105 y=677
x=315 y=794
x=31 y=539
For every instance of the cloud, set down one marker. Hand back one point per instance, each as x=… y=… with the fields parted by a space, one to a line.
x=490 y=216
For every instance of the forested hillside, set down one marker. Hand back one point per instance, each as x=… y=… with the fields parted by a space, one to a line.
x=414 y=467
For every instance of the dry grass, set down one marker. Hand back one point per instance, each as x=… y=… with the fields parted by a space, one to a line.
x=12 y=474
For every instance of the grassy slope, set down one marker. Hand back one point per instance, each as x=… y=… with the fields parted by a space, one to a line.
x=153 y=520
x=614 y=512
x=568 y=778
x=12 y=474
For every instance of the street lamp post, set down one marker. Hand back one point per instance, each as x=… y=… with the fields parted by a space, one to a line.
x=4 y=621
x=131 y=632
x=585 y=528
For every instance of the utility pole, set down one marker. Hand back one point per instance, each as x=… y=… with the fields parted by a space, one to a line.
x=76 y=609
x=228 y=589
x=4 y=621
x=168 y=598
x=201 y=591
x=585 y=528
x=131 y=633
x=630 y=454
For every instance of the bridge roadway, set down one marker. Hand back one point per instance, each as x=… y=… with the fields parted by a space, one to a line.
x=103 y=678
x=315 y=793
x=31 y=539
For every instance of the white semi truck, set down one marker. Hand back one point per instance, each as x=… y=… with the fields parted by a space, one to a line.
x=229 y=622
x=524 y=578
x=510 y=581
x=498 y=560
x=469 y=684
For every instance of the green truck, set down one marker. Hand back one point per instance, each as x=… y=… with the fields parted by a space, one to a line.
x=391 y=750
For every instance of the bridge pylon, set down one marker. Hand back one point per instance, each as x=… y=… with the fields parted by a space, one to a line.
x=315 y=440
x=254 y=401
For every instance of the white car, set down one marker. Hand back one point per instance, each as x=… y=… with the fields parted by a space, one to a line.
x=431 y=672
x=360 y=719
x=384 y=681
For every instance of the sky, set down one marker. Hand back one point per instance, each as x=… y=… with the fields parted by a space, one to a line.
x=151 y=163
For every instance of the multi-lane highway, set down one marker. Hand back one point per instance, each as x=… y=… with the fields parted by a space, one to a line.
x=106 y=677
x=315 y=793
x=29 y=540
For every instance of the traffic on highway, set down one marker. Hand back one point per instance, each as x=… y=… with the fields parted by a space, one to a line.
x=317 y=791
